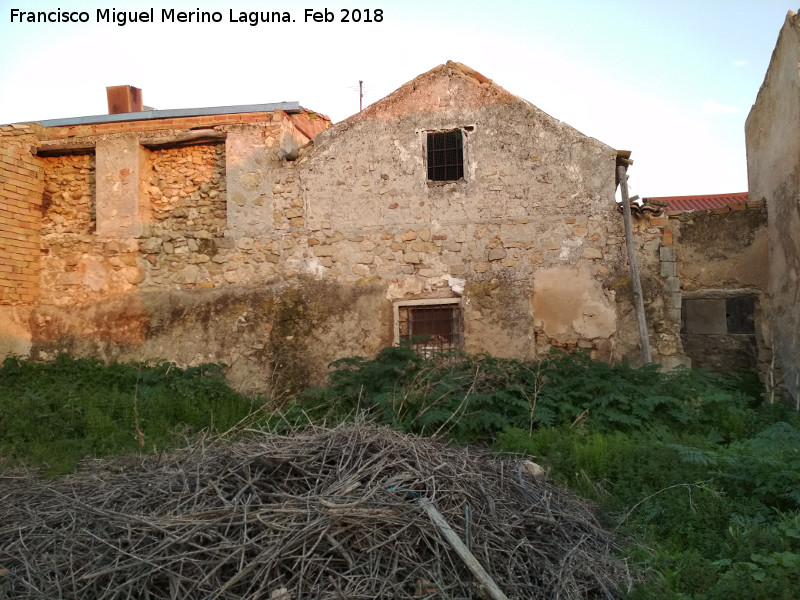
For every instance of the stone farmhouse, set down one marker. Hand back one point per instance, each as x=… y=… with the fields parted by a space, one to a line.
x=266 y=238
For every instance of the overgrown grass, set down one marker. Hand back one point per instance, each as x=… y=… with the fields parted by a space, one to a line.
x=55 y=414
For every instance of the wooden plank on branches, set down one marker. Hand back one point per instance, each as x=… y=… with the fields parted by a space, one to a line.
x=491 y=588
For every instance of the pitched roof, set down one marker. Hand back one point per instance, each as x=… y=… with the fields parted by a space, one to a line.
x=707 y=202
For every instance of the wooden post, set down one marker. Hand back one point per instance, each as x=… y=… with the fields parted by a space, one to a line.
x=493 y=592
x=638 y=297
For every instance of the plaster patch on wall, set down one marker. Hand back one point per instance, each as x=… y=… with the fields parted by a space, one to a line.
x=568 y=246
x=456 y=284
x=569 y=304
x=95 y=276
x=15 y=335
x=313 y=266
x=404 y=153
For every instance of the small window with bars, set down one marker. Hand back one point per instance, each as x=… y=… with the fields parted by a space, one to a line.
x=432 y=326
x=445 y=155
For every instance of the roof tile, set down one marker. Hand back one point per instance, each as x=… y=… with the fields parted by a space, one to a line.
x=707 y=202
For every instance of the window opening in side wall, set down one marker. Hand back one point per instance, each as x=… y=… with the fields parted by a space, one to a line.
x=445 y=155
x=718 y=329
x=734 y=315
x=432 y=326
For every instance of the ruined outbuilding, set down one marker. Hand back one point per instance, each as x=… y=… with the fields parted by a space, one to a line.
x=772 y=134
x=710 y=252
x=268 y=240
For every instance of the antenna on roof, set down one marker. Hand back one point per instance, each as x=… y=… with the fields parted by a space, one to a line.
x=360 y=94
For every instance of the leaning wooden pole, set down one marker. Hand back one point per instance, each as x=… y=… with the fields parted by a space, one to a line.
x=638 y=297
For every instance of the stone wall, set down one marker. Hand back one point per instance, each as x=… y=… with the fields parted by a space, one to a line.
x=654 y=240
x=772 y=133
x=696 y=254
x=274 y=337
x=723 y=254
x=141 y=260
x=68 y=202
x=276 y=258
x=81 y=268
x=723 y=249
x=187 y=190
x=531 y=227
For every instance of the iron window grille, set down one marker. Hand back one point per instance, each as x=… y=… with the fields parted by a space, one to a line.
x=432 y=326
x=445 y=155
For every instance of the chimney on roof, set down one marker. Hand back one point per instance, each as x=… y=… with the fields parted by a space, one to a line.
x=123 y=99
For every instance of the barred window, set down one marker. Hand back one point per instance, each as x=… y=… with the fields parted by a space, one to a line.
x=432 y=326
x=445 y=155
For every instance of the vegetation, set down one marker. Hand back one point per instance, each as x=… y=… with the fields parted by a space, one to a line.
x=692 y=468
x=57 y=413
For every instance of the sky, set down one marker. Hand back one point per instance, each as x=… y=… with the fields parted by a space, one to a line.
x=671 y=81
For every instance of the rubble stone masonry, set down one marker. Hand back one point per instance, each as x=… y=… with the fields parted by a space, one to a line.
x=275 y=257
x=187 y=190
x=68 y=203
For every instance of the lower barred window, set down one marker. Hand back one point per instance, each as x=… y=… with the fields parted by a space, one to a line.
x=432 y=326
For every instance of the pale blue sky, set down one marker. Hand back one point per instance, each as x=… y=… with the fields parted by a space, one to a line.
x=671 y=81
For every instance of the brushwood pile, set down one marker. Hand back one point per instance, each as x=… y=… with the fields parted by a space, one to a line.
x=318 y=514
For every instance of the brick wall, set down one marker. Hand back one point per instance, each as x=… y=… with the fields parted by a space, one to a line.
x=21 y=189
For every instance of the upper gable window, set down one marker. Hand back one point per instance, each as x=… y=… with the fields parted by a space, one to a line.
x=445 y=155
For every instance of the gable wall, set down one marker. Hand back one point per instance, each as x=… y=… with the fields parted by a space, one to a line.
x=532 y=226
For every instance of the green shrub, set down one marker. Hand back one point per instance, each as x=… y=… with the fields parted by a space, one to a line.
x=473 y=398
x=688 y=465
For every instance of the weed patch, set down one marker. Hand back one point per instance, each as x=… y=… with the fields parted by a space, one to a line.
x=55 y=414
x=690 y=466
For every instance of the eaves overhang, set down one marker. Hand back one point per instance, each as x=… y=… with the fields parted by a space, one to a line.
x=149 y=115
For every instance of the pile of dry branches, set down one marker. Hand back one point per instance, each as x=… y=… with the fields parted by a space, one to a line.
x=321 y=514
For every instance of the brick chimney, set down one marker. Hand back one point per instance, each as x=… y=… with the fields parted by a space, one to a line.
x=123 y=99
